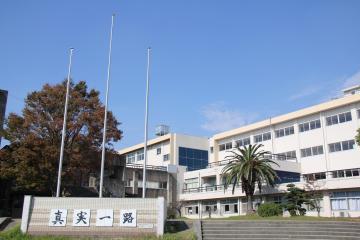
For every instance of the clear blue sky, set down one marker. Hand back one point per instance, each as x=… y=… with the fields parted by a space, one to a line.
x=216 y=64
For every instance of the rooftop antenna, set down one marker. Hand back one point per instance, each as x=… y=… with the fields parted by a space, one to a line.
x=64 y=126
x=106 y=109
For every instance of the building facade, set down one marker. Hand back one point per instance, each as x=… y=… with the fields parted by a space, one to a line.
x=314 y=148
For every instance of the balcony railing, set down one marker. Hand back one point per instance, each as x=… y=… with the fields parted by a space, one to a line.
x=212 y=188
x=150 y=167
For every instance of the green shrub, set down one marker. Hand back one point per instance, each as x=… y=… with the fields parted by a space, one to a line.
x=269 y=209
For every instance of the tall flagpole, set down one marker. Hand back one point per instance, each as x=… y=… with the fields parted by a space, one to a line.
x=64 y=126
x=146 y=122
x=106 y=108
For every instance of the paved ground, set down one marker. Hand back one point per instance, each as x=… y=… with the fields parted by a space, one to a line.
x=11 y=224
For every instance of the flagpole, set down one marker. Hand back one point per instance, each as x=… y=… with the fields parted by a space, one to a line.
x=146 y=122
x=106 y=108
x=64 y=126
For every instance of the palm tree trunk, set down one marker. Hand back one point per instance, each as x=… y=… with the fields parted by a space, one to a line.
x=250 y=209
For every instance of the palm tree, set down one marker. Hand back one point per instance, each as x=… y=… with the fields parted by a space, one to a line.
x=249 y=166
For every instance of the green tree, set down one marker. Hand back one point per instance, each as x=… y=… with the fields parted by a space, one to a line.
x=357 y=137
x=294 y=199
x=31 y=160
x=249 y=167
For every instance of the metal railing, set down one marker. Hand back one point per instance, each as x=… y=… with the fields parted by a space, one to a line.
x=150 y=167
x=212 y=188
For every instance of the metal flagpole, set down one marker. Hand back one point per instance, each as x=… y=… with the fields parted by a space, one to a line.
x=106 y=107
x=64 y=126
x=146 y=121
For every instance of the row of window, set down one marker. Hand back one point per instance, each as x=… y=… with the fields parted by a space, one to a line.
x=345 y=201
x=303 y=127
x=287 y=155
x=346 y=173
x=307 y=126
x=355 y=172
x=139 y=156
x=338 y=118
x=262 y=137
x=311 y=151
x=341 y=146
x=284 y=132
x=242 y=142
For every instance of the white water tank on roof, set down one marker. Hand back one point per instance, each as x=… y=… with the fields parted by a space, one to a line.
x=162 y=130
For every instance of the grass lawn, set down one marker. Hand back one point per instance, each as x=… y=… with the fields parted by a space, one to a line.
x=15 y=234
x=280 y=218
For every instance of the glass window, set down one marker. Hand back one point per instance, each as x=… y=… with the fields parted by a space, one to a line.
x=158 y=151
x=348 y=116
x=355 y=172
x=334 y=119
x=166 y=157
x=328 y=121
x=221 y=147
x=246 y=141
x=258 y=138
x=267 y=136
x=358 y=113
x=228 y=145
x=211 y=149
x=342 y=117
x=306 y=126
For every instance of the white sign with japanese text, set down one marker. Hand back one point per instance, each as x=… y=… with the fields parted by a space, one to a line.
x=128 y=218
x=104 y=217
x=57 y=217
x=81 y=218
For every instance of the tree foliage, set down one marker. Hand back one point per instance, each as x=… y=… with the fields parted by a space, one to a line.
x=357 y=137
x=249 y=166
x=295 y=198
x=32 y=157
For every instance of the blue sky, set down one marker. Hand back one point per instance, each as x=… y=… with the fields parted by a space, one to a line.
x=216 y=64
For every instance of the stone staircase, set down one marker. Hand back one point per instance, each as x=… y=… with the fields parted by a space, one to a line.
x=286 y=229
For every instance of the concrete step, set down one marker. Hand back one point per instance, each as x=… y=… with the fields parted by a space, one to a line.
x=319 y=230
x=293 y=232
x=283 y=228
x=276 y=236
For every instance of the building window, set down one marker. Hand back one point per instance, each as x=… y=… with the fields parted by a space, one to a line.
x=225 y=146
x=193 y=159
x=345 y=173
x=262 y=137
x=158 y=151
x=307 y=126
x=166 y=157
x=312 y=151
x=287 y=155
x=162 y=185
x=211 y=149
x=130 y=158
x=242 y=142
x=140 y=155
x=191 y=183
x=284 y=132
x=341 y=146
x=345 y=201
x=358 y=113
x=314 y=176
x=340 y=118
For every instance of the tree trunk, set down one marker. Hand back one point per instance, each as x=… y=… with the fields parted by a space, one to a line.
x=250 y=209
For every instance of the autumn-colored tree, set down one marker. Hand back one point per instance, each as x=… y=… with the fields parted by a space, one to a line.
x=32 y=157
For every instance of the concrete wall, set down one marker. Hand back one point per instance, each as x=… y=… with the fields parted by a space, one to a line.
x=150 y=216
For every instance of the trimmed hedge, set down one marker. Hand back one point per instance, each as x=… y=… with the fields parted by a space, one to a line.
x=269 y=210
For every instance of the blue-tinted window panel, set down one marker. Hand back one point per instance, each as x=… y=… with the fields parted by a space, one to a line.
x=182 y=152
x=197 y=154
x=287 y=177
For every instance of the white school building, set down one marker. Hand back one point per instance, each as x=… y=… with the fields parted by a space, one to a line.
x=314 y=144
